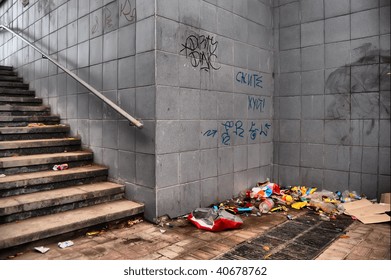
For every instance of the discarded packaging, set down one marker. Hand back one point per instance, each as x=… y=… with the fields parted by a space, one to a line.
x=324 y=206
x=214 y=220
x=35 y=124
x=266 y=248
x=58 y=167
x=344 y=236
x=131 y=223
x=92 y=233
x=368 y=212
x=266 y=205
x=42 y=249
x=65 y=244
x=299 y=205
x=324 y=217
x=2 y=175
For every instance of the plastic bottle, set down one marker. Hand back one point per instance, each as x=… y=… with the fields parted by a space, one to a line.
x=266 y=205
x=324 y=206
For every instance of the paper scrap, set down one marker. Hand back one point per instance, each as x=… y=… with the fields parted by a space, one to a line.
x=42 y=249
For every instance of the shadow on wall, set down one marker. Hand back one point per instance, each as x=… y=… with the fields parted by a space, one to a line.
x=366 y=74
x=45 y=5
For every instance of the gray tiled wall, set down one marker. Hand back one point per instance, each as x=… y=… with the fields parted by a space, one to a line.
x=292 y=89
x=109 y=44
x=207 y=123
x=205 y=160
x=332 y=111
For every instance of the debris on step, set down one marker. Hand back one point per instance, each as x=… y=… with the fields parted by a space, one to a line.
x=36 y=124
x=65 y=244
x=59 y=167
x=41 y=249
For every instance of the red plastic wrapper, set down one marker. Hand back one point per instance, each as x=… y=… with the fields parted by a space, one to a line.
x=214 y=220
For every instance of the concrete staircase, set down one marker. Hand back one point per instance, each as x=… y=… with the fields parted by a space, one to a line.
x=37 y=202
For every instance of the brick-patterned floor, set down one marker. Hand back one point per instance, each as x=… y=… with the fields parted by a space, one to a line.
x=365 y=242
x=183 y=241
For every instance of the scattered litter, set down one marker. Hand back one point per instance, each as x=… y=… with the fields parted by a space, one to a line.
x=266 y=205
x=344 y=236
x=324 y=217
x=36 y=124
x=16 y=255
x=299 y=205
x=326 y=207
x=163 y=230
x=42 y=249
x=266 y=248
x=214 y=220
x=279 y=208
x=134 y=222
x=268 y=197
x=2 y=175
x=65 y=244
x=59 y=167
x=93 y=233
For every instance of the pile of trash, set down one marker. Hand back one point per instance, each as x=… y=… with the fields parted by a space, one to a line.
x=268 y=197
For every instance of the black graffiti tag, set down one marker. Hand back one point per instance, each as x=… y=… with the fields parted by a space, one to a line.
x=108 y=21
x=202 y=51
x=128 y=12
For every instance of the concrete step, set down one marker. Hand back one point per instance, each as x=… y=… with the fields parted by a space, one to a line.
x=7 y=68
x=39 y=132
x=20 y=100
x=20 y=110
x=7 y=73
x=21 y=232
x=16 y=92
x=50 y=179
x=10 y=78
x=25 y=206
x=13 y=85
x=40 y=162
x=38 y=146
x=18 y=121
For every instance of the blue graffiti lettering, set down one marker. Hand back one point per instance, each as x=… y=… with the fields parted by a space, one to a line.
x=253 y=80
x=265 y=131
x=256 y=103
x=253 y=131
x=239 y=129
x=225 y=137
x=211 y=133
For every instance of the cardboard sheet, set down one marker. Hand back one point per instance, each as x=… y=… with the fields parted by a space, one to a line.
x=385 y=198
x=368 y=212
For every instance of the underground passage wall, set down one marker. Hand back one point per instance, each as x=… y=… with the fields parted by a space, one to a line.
x=198 y=73
x=214 y=64
x=231 y=92
x=332 y=95
x=109 y=44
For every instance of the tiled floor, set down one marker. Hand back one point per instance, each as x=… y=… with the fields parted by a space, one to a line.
x=181 y=240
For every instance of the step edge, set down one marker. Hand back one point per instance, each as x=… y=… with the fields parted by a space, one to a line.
x=77 y=225
x=60 y=199
x=7 y=183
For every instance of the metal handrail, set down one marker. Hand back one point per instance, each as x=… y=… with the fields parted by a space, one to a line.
x=132 y=120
